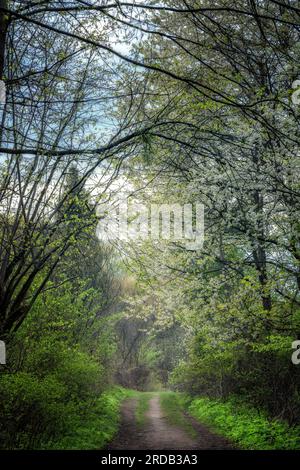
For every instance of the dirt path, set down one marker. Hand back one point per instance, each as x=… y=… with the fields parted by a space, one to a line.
x=159 y=434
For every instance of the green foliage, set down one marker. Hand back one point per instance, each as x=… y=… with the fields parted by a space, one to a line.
x=261 y=372
x=49 y=414
x=37 y=407
x=245 y=425
x=98 y=424
x=213 y=124
x=32 y=409
x=56 y=391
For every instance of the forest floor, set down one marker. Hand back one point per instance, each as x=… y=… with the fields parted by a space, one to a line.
x=146 y=424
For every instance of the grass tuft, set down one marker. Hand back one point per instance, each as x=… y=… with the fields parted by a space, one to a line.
x=142 y=407
x=173 y=408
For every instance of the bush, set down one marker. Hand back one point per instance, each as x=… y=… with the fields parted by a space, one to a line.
x=31 y=409
x=42 y=405
x=98 y=425
x=261 y=373
x=40 y=413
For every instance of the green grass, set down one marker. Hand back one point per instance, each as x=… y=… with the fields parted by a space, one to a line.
x=173 y=408
x=248 y=427
x=142 y=407
x=98 y=424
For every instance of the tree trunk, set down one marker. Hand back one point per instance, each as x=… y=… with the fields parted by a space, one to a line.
x=3 y=29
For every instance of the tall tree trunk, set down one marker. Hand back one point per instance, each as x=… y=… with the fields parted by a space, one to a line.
x=3 y=30
x=259 y=252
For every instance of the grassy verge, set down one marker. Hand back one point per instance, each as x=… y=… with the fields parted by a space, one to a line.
x=173 y=408
x=98 y=424
x=245 y=425
x=142 y=407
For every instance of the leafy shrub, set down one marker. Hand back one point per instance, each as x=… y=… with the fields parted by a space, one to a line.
x=98 y=425
x=45 y=413
x=42 y=405
x=260 y=372
x=30 y=409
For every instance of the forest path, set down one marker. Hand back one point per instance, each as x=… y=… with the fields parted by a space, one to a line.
x=158 y=433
